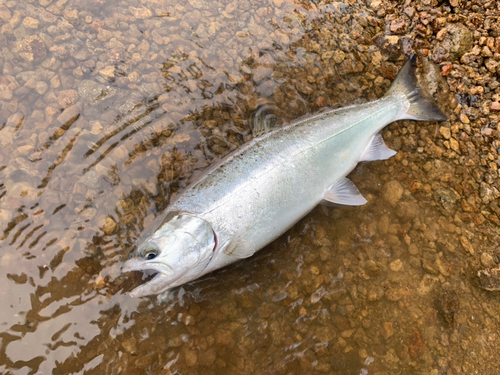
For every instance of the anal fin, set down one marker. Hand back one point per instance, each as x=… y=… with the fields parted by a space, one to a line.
x=377 y=150
x=344 y=192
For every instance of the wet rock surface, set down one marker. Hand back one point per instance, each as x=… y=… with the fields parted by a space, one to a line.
x=108 y=110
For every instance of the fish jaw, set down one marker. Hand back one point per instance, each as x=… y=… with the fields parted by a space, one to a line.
x=164 y=280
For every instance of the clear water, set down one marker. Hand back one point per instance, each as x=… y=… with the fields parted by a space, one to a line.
x=108 y=109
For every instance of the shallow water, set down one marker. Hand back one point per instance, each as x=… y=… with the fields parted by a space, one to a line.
x=108 y=109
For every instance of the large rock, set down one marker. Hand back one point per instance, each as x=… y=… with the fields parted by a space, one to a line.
x=458 y=40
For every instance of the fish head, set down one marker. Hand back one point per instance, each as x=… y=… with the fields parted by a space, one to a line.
x=178 y=252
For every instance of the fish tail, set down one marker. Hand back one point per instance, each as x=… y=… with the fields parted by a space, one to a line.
x=421 y=107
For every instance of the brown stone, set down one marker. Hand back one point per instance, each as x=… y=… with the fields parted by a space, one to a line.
x=32 y=48
x=446 y=70
x=397 y=26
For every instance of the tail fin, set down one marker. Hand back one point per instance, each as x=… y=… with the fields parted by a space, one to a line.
x=421 y=107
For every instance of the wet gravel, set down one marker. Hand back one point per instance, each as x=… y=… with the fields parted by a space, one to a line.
x=108 y=109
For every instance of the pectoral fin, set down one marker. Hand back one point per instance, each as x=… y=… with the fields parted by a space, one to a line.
x=344 y=192
x=377 y=150
x=240 y=249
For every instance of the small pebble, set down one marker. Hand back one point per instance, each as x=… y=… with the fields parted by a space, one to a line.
x=396 y=265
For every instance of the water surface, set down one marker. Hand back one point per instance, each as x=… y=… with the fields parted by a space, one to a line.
x=109 y=109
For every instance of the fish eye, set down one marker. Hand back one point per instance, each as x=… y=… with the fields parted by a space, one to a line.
x=150 y=252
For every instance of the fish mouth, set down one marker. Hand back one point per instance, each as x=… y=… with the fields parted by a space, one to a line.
x=159 y=283
x=159 y=277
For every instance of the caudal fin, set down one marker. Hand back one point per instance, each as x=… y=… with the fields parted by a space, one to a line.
x=421 y=107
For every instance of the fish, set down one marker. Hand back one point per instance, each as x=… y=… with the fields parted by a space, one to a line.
x=262 y=189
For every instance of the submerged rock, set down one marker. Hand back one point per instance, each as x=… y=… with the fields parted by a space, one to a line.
x=489 y=278
x=392 y=192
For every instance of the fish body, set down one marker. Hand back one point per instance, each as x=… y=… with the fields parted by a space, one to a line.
x=262 y=189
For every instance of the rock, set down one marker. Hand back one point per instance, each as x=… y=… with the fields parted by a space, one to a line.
x=47 y=17
x=463 y=117
x=338 y=361
x=495 y=106
x=191 y=357
x=351 y=66
x=445 y=132
x=448 y=199
x=486 y=192
x=392 y=192
x=467 y=245
x=143 y=47
x=67 y=98
x=133 y=77
x=396 y=265
x=207 y=358
x=489 y=279
x=22 y=189
x=388 y=70
x=376 y=5
x=31 y=23
x=5 y=13
x=5 y=93
x=413 y=249
x=32 y=48
x=454 y=145
x=447 y=305
x=387 y=330
x=260 y=72
x=397 y=26
x=410 y=11
x=372 y=268
x=108 y=72
x=383 y=224
x=487 y=260
x=446 y=70
x=7 y=258
x=394 y=294
x=443 y=268
x=41 y=87
x=223 y=337
x=70 y=114
x=55 y=82
x=491 y=65
x=426 y=284
x=109 y=226
x=96 y=128
x=93 y=92
x=441 y=34
x=140 y=13
x=458 y=40
x=175 y=342
x=130 y=345
x=338 y=56
x=407 y=211
x=375 y=294
x=90 y=179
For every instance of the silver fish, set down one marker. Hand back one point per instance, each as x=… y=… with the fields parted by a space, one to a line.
x=262 y=189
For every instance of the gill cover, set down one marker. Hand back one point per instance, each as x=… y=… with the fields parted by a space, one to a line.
x=184 y=235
